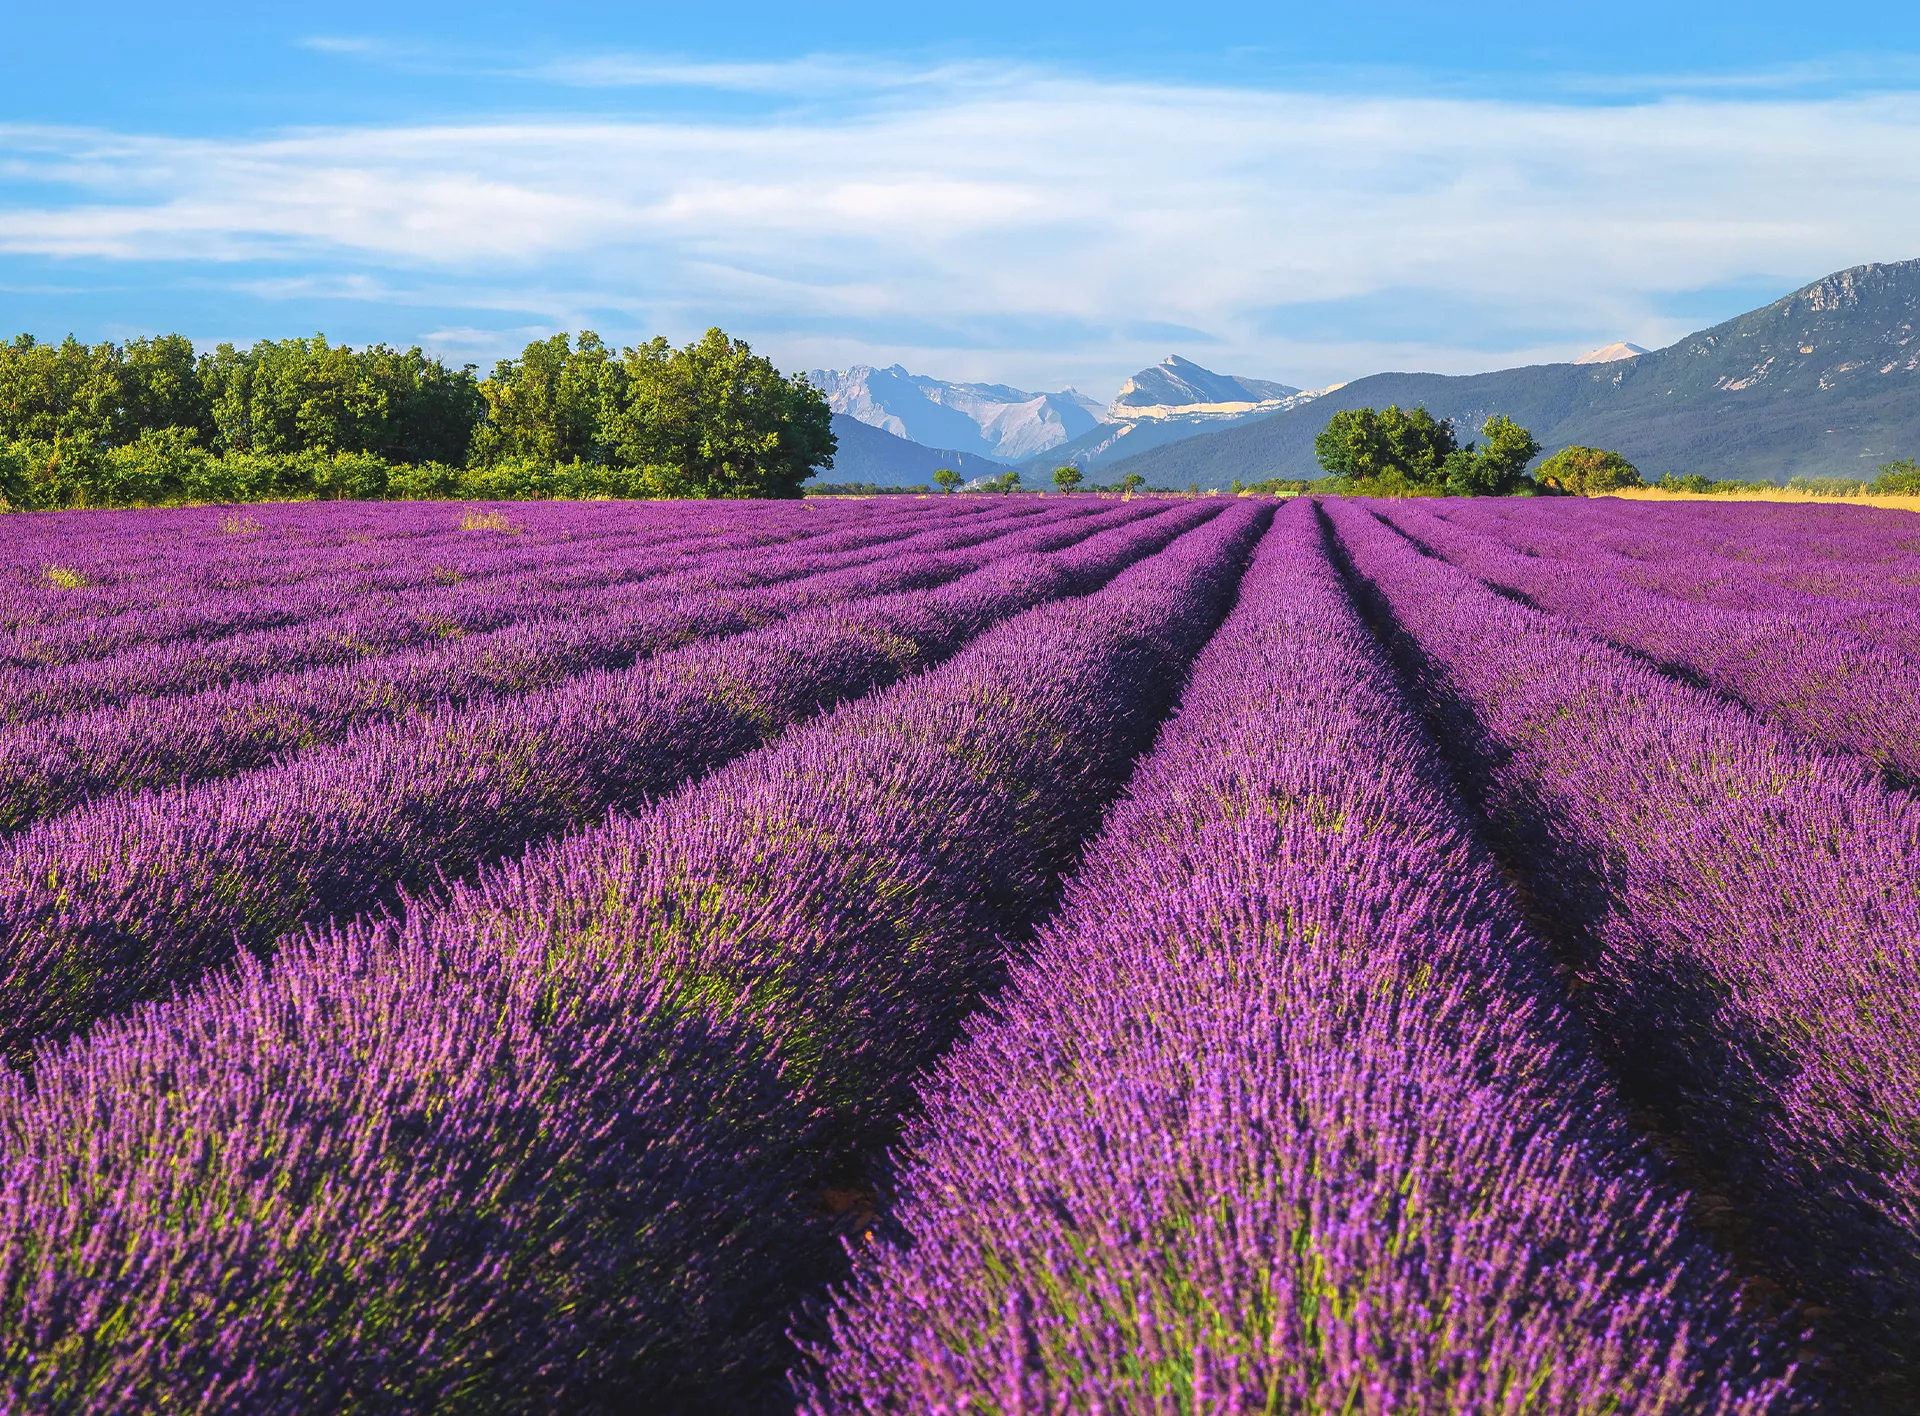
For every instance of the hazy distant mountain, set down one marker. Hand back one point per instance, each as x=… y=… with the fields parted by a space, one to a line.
x=869 y=454
x=1824 y=382
x=1110 y=442
x=988 y=420
x=1173 y=400
x=1608 y=353
x=1179 y=386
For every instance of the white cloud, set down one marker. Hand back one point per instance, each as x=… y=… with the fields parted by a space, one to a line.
x=1020 y=226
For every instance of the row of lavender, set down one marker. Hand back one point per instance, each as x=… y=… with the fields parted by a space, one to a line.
x=1843 y=674
x=356 y=604
x=1286 y=1112
x=139 y=893
x=138 y=740
x=1748 y=554
x=1741 y=910
x=557 y=1137
x=63 y=568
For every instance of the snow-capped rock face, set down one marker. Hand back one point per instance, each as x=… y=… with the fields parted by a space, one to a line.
x=1609 y=353
x=989 y=420
x=1179 y=387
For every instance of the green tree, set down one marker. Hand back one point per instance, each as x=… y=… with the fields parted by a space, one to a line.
x=306 y=395
x=1587 y=471
x=1008 y=481
x=947 y=480
x=1386 y=449
x=717 y=420
x=1390 y=452
x=1505 y=450
x=1497 y=467
x=1066 y=477
x=1898 y=479
x=1131 y=483
x=552 y=404
x=109 y=394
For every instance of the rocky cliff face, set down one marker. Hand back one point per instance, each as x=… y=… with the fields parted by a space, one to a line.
x=1844 y=334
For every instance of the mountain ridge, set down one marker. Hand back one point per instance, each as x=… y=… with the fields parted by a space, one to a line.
x=1824 y=381
x=1173 y=399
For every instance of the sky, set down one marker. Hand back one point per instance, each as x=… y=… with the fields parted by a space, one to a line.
x=1036 y=195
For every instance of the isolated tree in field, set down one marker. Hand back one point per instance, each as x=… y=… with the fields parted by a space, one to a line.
x=1505 y=450
x=1008 y=481
x=947 y=480
x=1066 y=477
x=1587 y=471
x=1130 y=482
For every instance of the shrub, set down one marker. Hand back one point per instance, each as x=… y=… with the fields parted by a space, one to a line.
x=1827 y=486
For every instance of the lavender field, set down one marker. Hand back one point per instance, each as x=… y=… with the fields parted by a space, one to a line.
x=965 y=956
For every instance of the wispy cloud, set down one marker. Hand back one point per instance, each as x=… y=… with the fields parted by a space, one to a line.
x=1033 y=228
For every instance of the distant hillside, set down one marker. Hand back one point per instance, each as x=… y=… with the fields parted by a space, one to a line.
x=874 y=455
x=1825 y=382
x=1110 y=442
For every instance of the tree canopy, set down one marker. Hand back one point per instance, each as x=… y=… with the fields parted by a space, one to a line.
x=1394 y=452
x=1587 y=471
x=1386 y=446
x=152 y=420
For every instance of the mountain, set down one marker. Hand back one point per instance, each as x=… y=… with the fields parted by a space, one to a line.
x=1039 y=431
x=987 y=420
x=1823 y=382
x=1608 y=353
x=1176 y=399
x=869 y=454
x=1179 y=386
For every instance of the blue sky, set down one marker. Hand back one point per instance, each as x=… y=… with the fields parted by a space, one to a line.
x=1035 y=195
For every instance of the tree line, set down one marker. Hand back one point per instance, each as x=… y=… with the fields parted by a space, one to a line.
x=153 y=421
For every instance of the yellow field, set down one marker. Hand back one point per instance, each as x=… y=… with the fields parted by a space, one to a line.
x=1774 y=494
